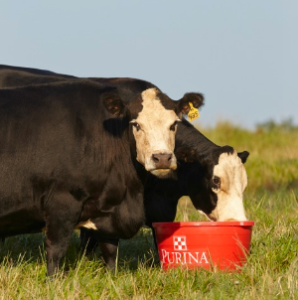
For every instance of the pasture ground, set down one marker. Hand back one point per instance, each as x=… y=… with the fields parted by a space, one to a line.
x=271 y=200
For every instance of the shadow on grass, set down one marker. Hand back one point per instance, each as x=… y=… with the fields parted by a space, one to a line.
x=31 y=248
x=131 y=253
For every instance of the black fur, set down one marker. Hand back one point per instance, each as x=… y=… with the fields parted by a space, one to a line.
x=60 y=166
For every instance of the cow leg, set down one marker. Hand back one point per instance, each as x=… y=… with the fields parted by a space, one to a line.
x=109 y=247
x=89 y=240
x=57 y=242
x=62 y=216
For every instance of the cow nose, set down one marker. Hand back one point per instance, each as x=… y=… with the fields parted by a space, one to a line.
x=162 y=160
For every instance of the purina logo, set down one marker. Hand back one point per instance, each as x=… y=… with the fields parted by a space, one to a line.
x=182 y=255
x=180 y=243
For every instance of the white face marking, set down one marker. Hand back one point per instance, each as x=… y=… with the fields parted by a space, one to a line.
x=153 y=134
x=232 y=174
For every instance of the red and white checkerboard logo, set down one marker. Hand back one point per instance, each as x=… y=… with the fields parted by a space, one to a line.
x=179 y=243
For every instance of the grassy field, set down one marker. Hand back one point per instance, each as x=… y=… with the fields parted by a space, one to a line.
x=271 y=200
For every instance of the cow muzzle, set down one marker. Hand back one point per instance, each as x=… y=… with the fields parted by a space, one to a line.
x=237 y=218
x=162 y=160
x=162 y=164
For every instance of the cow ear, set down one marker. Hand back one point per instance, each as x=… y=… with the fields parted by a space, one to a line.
x=113 y=103
x=196 y=99
x=243 y=156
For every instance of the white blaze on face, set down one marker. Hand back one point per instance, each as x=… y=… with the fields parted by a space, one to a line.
x=233 y=178
x=153 y=134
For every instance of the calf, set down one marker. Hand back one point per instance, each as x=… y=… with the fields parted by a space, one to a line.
x=76 y=154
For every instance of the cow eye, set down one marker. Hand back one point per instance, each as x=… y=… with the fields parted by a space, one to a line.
x=173 y=126
x=136 y=125
x=216 y=181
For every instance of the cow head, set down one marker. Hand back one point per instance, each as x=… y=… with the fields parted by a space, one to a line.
x=216 y=183
x=153 y=118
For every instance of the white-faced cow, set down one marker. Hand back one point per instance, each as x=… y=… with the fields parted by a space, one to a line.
x=74 y=154
x=214 y=177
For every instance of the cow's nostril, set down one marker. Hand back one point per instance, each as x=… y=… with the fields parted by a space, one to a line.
x=155 y=158
x=170 y=157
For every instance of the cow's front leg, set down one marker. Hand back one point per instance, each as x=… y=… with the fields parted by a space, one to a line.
x=63 y=213
x=89 y=240
x=109 y=247
x=57 y=242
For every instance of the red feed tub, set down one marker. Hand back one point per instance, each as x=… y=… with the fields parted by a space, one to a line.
x=211 y=245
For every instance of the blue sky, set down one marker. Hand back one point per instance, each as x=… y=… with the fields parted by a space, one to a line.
x=241 y=54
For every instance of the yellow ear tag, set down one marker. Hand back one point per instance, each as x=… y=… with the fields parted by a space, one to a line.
x=193 y=112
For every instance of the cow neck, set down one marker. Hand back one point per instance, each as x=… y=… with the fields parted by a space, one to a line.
x=189 y=137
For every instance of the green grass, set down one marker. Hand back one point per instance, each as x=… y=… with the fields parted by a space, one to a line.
x=271 y=200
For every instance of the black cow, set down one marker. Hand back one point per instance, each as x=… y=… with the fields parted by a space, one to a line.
x=205 y=173
x=76 y=154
